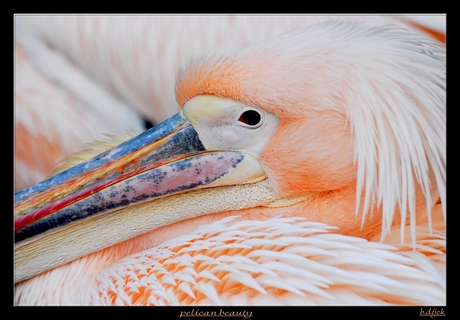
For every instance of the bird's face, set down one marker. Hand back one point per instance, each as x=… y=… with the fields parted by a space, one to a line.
x=170 y=158
x=212 y=142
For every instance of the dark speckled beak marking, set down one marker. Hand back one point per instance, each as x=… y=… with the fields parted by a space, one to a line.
x=164 y=160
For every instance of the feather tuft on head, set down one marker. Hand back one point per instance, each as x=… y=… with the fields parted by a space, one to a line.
x=389 y=84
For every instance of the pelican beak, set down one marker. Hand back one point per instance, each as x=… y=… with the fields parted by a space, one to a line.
x=165 y=160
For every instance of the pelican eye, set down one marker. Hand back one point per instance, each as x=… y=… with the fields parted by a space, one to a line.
x=251 y=118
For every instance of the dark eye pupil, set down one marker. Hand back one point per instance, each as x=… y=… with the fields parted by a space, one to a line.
x=250 y=117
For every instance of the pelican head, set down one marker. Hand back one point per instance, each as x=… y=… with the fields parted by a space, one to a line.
x=339 y=123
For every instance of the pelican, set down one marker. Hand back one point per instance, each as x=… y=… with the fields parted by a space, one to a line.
x=307 y=169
